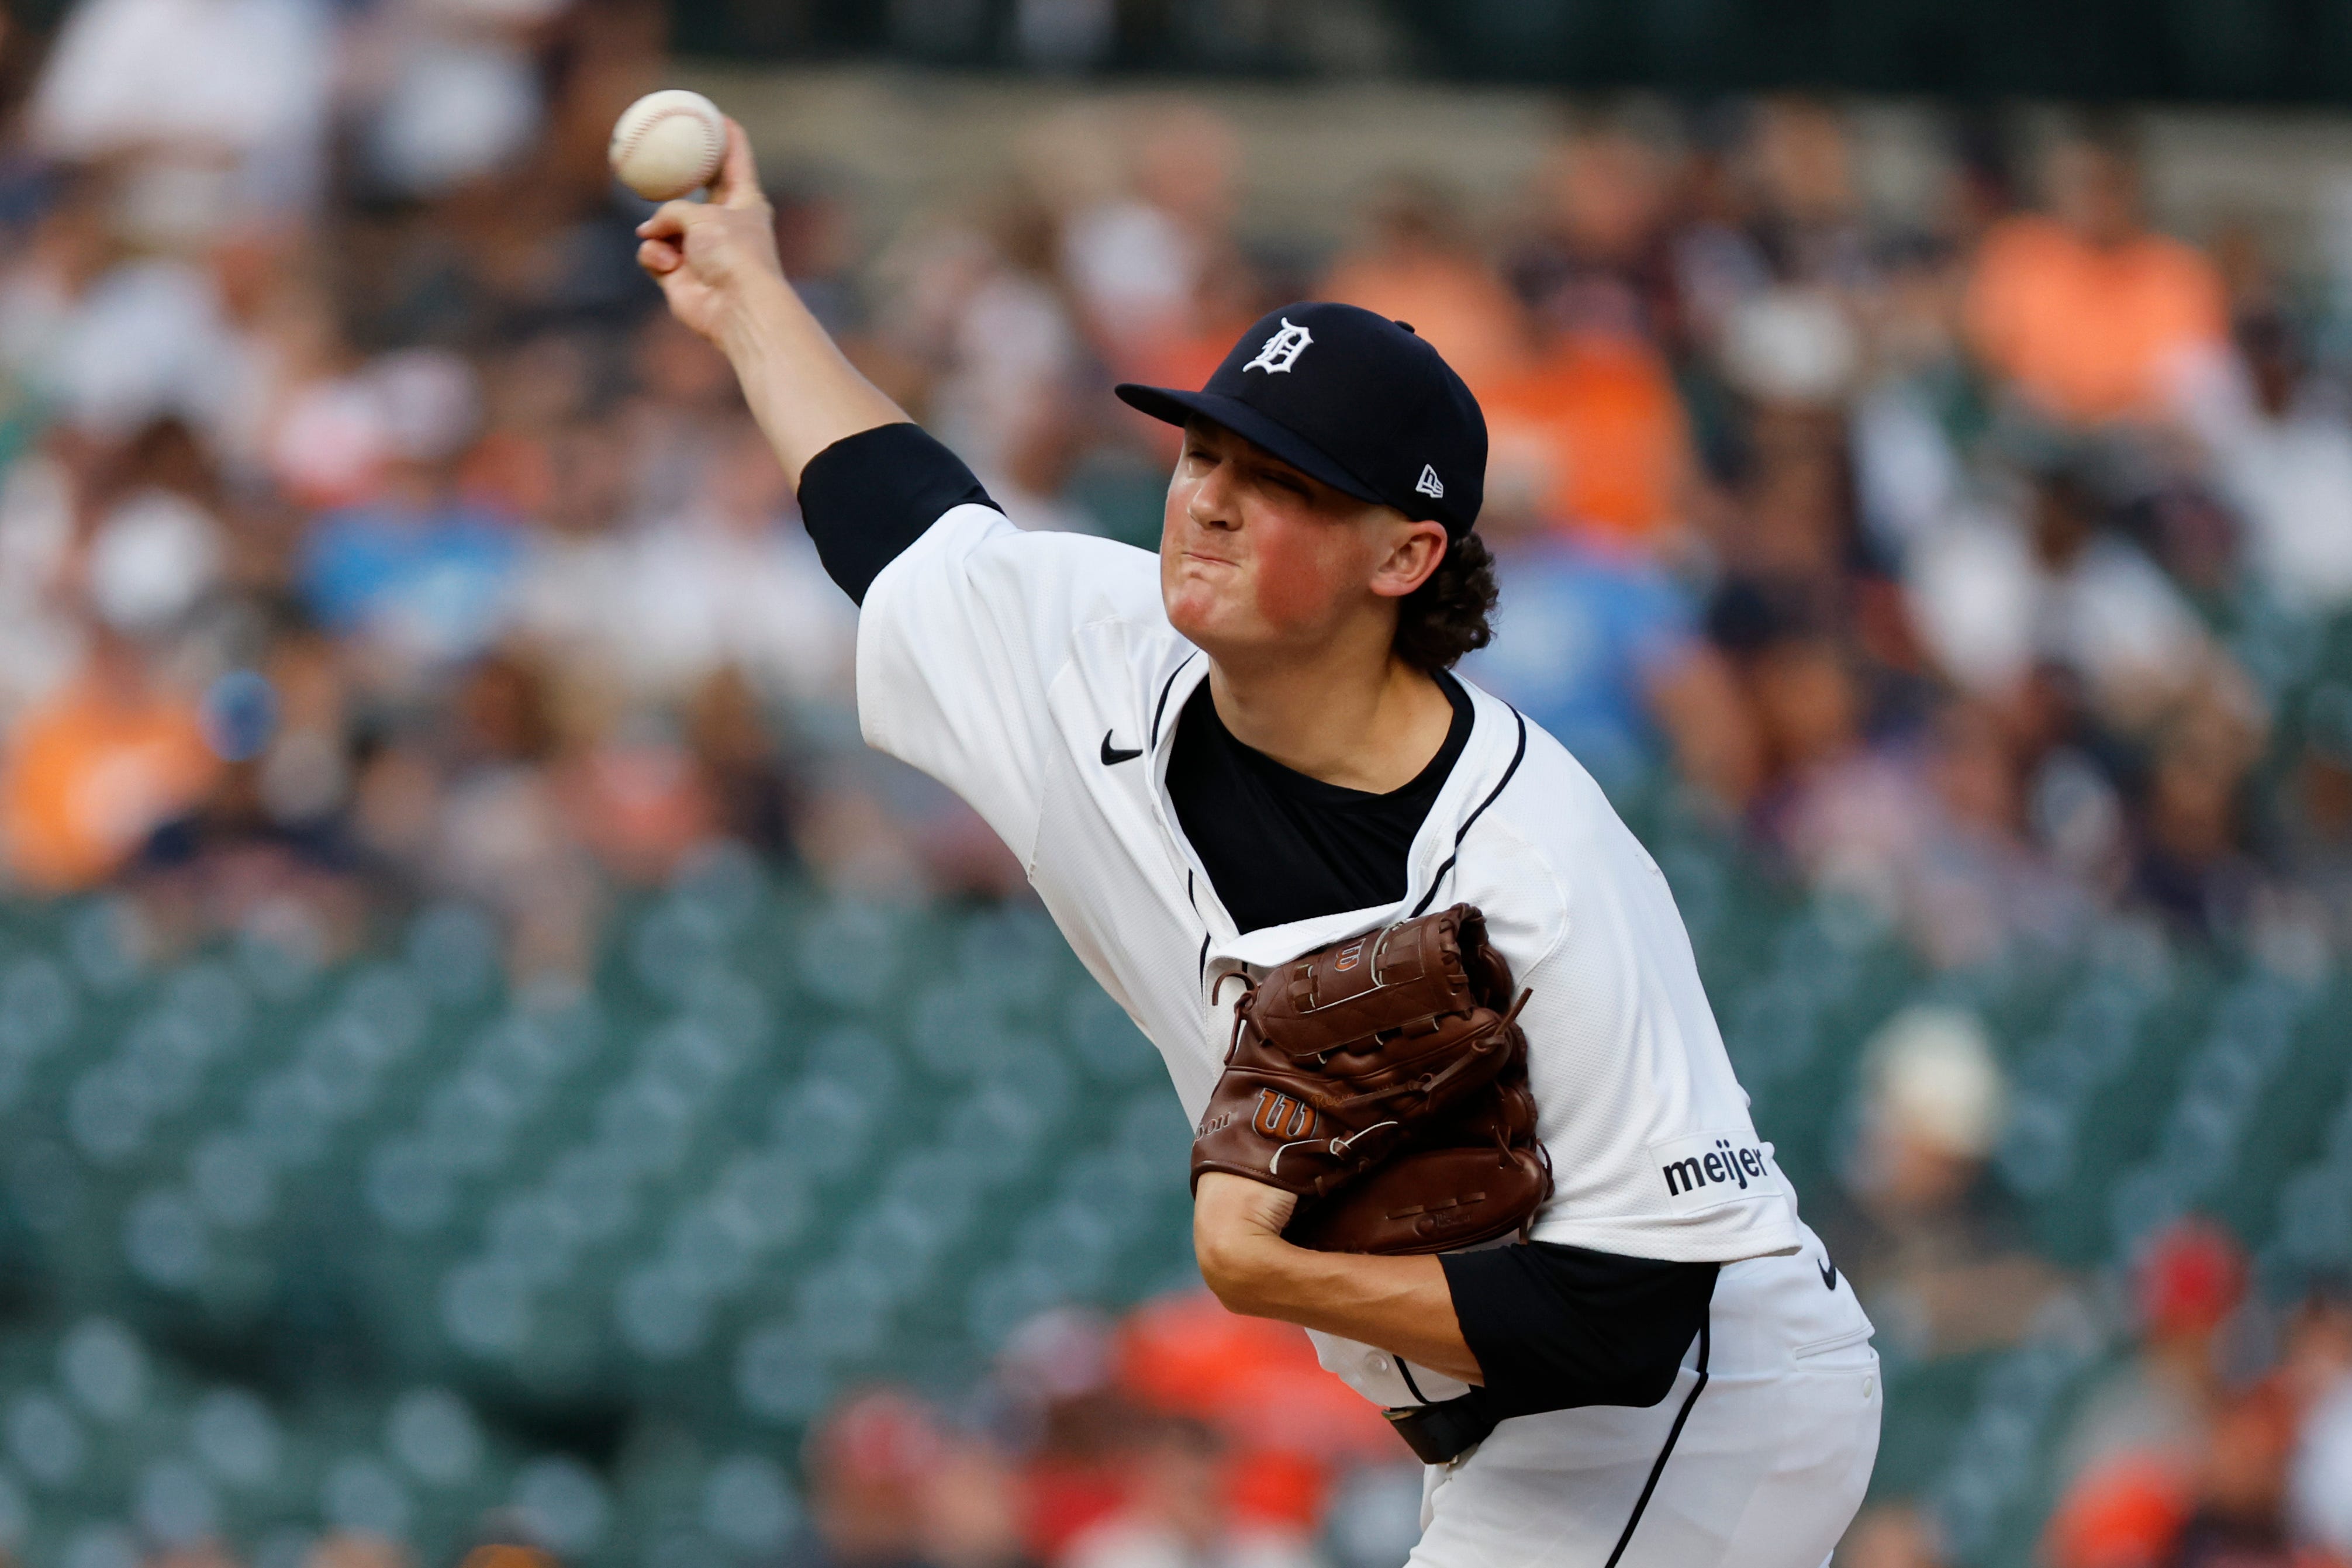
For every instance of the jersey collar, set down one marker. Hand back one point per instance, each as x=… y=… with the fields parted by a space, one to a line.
x=1489 y=759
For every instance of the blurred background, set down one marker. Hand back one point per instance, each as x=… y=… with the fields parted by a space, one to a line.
x=491 y=1071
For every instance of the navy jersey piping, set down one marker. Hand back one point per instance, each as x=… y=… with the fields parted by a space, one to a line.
x=1160 y=710
x=1674 y=1434
x=1195 y=902
x=1439 y=881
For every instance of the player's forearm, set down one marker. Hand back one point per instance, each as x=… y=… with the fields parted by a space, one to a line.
x=1401 y=1304
x=801 y=388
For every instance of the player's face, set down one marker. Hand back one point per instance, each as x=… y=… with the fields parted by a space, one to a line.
x=1258 y=558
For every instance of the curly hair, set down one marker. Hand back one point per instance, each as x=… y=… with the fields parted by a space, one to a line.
x=1449 y=614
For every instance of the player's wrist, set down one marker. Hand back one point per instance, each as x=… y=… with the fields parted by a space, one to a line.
x=1247 y=1270
x=1237 y=1239
x=749 y=317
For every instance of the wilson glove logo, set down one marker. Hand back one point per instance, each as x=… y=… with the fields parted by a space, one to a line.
x=1279 y=1116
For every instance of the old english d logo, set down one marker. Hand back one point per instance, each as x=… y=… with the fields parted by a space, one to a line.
x=1279 y=1116
x=1281 y=351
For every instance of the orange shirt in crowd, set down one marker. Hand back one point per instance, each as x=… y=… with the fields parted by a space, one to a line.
x=1185 y=357
x=1455 y=301
x=2124 y=1513
x=1598 y=423
x=2091 y=333
x=89 y=773
x=1286 y=1422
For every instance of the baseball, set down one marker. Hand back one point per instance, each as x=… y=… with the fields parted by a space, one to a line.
x=669 y=143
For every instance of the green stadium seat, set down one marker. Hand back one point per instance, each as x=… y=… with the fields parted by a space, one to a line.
x=94 y=1545
x=1073 y=1243
x=841 y=1307
x=1006 y=1296
x=899 y=1241
x=749 y=1504
x=16 y=1516
x=849 y=954
x=778 y=1377
x=563 y=1504
x=663 y=1312
x=408 y=1188
x=232 y=1182
x=237 y=1439
x=1103 y=1042
x=176 y=1504
x=994 y=1133
x=46 y=1440
x=825 y=1124
x=361 y=1492
x=166 y=1242
x=486 y=1307
x=638 y=1187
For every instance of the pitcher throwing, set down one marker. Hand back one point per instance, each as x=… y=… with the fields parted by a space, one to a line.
x=1248 y=749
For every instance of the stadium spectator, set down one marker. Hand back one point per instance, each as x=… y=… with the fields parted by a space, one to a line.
x=1890 y=1535
x=868 y=1463
x=1592 y=629
x=2281 y=442
x=1931 y=1245
x=1595 y=411
x=1415 y=265
x=2146 y=1434
x=2093 y=317
x=89 y=774
x=1174 y=1516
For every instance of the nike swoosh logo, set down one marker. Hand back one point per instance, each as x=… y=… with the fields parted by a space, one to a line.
x=1112 y=756
x=1829 y=1273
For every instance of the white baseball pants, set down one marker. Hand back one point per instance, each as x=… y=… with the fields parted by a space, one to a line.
x=1758 y=1458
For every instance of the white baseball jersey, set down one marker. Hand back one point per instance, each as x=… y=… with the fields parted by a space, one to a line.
x=1038 y=677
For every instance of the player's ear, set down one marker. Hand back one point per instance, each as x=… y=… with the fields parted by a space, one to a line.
x=1413 y=551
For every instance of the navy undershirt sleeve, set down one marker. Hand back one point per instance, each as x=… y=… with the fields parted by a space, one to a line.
x=1559 y=1327
x=868 y=496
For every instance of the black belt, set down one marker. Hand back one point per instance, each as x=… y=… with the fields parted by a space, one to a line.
x=1446 y=1430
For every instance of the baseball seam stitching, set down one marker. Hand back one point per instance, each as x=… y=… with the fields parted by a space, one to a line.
x=635 y=138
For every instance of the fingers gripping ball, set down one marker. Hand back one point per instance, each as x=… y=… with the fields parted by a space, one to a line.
x=1383 y=1080
x=668 y=144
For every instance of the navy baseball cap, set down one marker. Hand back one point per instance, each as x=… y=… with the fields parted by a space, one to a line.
x=1354 y=399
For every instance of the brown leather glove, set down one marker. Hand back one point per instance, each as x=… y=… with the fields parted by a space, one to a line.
x=1383 y=1079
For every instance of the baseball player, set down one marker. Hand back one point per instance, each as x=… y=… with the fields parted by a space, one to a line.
x=1250 y=746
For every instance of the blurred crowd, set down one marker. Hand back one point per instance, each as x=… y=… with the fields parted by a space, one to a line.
x=1179 y=1436
x=367 y=532
x=2218 y=1434
x=2223 y=1440
x=369 y=535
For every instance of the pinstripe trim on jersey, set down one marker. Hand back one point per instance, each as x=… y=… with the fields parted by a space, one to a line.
x=1516 y=757
x=1674 y=1434
x=1195 y=902
x=1161 y=711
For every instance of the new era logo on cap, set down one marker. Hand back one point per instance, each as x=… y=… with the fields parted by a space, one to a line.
x=1429 y=484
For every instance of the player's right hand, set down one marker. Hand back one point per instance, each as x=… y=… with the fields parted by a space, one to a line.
x=713 y=257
